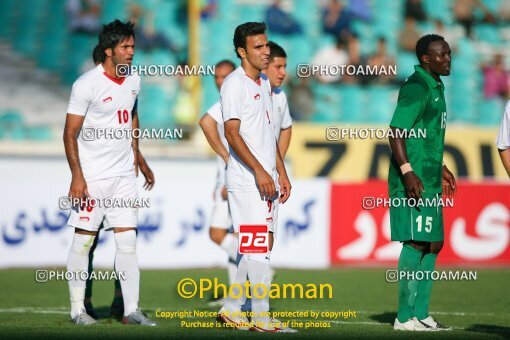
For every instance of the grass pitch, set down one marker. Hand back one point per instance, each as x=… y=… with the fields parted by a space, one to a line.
x=475 y=309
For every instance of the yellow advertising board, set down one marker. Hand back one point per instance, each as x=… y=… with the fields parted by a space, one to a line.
x=357 y=153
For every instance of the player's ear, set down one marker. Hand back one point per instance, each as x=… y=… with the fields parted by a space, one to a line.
x=108 y=52
x=425 y=59
x=242 y=52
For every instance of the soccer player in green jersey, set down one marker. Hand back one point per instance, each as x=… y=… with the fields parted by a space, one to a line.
x=417 y=171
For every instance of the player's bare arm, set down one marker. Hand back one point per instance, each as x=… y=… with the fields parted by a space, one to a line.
x=505 y=159
x=284 y=141
x=209 y=126
x=448 y=183
x=72 y=129
x=413 y=184
x=264 y=181
x=283 y=178
x=146 y=172
x=134 y=142
x=142 y=163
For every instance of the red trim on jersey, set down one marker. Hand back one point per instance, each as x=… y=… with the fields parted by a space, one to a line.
x=256 y=81
x=115 y=80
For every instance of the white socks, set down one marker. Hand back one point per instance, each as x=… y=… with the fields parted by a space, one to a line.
x=78 y=261
x=234 y=305
x=259 y=273
x=229 y=244
x=126 y=261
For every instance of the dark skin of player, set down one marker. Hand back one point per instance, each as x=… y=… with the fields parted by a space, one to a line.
x=437 y=62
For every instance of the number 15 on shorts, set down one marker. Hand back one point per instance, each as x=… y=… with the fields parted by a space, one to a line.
x=253 y=239
x=428 y=223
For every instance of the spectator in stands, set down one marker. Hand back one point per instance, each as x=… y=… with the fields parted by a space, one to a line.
x=451 y=34
x=332 y=55
x=360 y=9
x=495 y=79
x=409 y=35
x=278 y=21
x=336 y=19
x=147 y=38
x=209 y=9
x=83 y=16
x=355 y=58
x=381 y=58
x=414 y=9
x=464 y=12
x=301 y=100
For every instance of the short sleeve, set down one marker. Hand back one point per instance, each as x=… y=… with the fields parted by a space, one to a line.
x=412 y=101
x=215 y=113
x=287 y=119
x=503 y=140
x=81 y=96
x=232 y=94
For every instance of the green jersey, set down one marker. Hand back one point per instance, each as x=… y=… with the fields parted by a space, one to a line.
x=421 y=107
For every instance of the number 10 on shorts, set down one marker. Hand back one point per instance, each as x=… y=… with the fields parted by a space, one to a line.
x=253 y=239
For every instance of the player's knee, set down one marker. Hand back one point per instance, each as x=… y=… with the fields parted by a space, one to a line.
x=420 y=246
x=126 y=241
x=435 y=247
x=217 y=235
x=82 y=243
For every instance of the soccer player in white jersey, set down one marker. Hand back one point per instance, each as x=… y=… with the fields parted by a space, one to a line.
x=276 y=74
x=104 y=168
x=253 y=165
x=503 y=141
x=117 y=306
x=221 y=222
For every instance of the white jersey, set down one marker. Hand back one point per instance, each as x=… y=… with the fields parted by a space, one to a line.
x=249 y=101
x=106 y=103
x=503 y=141
x=215 y=113
x=281 y=114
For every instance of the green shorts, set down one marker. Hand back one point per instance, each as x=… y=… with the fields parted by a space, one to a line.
x=417 y=223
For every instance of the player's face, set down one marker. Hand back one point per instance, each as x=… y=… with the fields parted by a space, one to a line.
x=220 y=73
x=257 y=51
x=124 y=51
x=440 y=58
x=276 y=71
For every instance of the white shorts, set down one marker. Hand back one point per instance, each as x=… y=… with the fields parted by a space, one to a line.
x=220 y=217
x=114 y=217
x=249 y=208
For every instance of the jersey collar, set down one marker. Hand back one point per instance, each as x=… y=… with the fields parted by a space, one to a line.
x=118 y=81
x=428 y=78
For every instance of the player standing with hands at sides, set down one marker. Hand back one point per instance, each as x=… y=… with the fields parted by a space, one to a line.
x=221 y=221
x=117 y=306
x=417 y=171
x=104 y=168
x=503 y=141
x=252 y=168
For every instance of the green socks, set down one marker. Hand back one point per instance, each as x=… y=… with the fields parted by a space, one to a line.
x=421 y=309
x=409 y=261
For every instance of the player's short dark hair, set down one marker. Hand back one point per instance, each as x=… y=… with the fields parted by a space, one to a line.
x=226 y=62
x=114 y=33
x=276 y=51
x=422 y=45
x=98 y=54
x=244 y=30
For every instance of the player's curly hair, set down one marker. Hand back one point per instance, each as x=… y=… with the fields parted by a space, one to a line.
x=276 y=51
x=114 y=33
x=98 y=54
x=244 y=30
x=422 y=45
